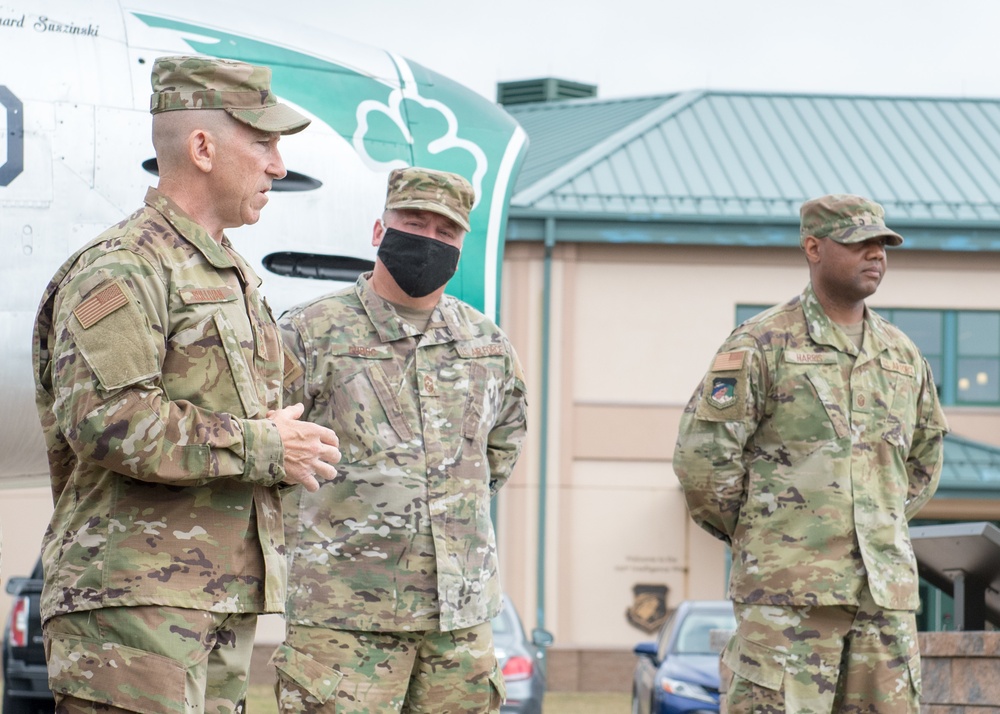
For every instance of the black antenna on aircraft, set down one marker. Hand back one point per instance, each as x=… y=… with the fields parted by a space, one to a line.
x=293 y=181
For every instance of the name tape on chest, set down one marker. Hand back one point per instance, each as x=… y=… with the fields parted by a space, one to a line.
x=363 y=351
x=490 y=350
x=101 y=304
x=811 y=357
x=894 y=365
x=195 y=296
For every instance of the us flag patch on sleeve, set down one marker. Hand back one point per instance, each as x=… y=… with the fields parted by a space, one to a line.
x=100 y=305
x=728 y=361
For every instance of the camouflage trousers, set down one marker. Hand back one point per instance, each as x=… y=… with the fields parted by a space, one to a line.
x=813 y=660
x=430 y=672
x=154 y=660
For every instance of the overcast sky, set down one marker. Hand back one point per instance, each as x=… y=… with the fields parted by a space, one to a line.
x=643 y=47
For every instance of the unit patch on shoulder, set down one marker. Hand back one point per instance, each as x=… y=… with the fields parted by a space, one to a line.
x=723 y=392
x=728 y=361
x=101 y=304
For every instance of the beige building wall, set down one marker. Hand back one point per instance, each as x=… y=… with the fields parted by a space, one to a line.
x=632 y=329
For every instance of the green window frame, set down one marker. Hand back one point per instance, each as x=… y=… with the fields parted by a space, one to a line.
x=961 y=346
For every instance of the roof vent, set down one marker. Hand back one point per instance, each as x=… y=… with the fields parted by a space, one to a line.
x=546 y=89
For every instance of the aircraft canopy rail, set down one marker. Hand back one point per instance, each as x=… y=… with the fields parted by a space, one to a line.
x=963 y=560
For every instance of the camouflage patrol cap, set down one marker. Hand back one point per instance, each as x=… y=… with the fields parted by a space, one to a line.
x=428 y=190
x=844 y=218
x=243 y=90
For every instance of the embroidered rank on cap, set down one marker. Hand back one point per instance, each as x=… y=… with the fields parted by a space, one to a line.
x=100 y=305
x=728 y=361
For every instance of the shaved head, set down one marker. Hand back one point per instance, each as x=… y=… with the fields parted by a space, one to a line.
x=172 y=129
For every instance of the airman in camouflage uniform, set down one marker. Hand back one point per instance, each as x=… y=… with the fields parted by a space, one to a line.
x=393 y=565
x=814 y=437
x=156 y=361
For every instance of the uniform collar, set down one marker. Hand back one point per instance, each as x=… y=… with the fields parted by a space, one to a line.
x=219 y=255
x=824 y=331
x=444 y=326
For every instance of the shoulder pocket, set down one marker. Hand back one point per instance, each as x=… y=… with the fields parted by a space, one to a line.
x=725 y=390
x=114 y=337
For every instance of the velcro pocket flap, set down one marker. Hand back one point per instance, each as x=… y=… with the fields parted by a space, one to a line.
x=316 y=678
x=755 y=662
x=474 y=402
x=115 y=338
x=113 y=674
x=238 y=366
x=387 y=398
x=831 y=404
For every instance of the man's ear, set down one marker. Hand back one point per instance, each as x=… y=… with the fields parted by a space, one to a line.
x=811 y=246
x=201 y=149
x=378 y=231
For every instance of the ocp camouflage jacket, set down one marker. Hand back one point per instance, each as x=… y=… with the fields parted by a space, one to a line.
x=156 y=359
x=809 y=456
x=430 y=426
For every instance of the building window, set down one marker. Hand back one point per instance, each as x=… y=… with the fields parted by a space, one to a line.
x=961 y=346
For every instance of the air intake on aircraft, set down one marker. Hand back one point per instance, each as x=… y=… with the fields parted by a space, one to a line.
x=317 y=266
x=293 y=180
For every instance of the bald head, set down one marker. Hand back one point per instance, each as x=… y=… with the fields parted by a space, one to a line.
x=172 y=132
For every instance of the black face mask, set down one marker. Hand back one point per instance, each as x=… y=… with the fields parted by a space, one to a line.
x=419 y=265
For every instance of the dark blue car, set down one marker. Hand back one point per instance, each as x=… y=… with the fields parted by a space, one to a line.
x=679 y=672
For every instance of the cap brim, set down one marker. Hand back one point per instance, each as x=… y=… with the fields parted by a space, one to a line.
x=433 y=208
x=857 y=234
x=277 y=118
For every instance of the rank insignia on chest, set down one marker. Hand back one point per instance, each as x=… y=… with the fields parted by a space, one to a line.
x=723 y=392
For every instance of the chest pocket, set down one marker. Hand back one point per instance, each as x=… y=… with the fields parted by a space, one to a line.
x=484 y=367
x=808 y=405
x=365 y=409
x=901 y=383
x=206 y=360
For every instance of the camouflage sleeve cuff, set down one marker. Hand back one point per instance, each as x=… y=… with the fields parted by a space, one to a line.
x=264 y=456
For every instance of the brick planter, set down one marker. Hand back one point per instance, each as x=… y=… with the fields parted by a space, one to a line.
x=960 y=672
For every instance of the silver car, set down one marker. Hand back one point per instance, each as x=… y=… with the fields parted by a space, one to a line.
x=522 y=661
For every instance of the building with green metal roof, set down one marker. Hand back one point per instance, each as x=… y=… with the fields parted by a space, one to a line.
x=642 y=230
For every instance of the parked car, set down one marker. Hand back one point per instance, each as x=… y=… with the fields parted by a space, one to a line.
x=679 y=672
x=25 y=681
x=522 y=661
